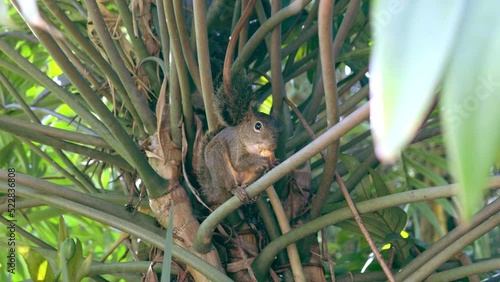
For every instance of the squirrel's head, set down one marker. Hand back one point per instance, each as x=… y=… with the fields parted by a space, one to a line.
x=261 y=131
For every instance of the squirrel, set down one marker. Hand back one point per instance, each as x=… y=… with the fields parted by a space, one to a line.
x=242 y=149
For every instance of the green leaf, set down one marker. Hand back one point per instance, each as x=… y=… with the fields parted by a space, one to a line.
x=84 y=268
x=471 y=95
x=379 y=224
x=63 y=232
x=362 y=190
x=74 y=264
x=38 y=267
x=6 y=152
x=379 y=184
x=350 y=162
x=412 y=42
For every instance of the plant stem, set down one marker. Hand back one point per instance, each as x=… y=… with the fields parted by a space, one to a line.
x=62 y=134
x=202 y=48
x=86 y=45
x=152 y=235
x=325 y=18
x=187 y=111
x=187 y=52
x=138 y=99
x=266 y=257
x=264 y=29
x=283 y=221
x=464 y=271
x=59 y=144
x=137 y=42
x=455 y=247
x=447 y=240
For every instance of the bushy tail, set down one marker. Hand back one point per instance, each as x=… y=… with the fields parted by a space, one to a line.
x=232 y=107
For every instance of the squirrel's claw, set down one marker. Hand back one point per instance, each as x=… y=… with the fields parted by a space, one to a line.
x=273 y=164
x=241 y=193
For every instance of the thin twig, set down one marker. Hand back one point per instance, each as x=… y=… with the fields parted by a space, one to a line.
x=326 y=255
x=363 y=229
x=247 y=265
x=304 y=122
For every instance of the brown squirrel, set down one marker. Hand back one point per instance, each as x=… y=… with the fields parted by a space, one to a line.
x=237 y=153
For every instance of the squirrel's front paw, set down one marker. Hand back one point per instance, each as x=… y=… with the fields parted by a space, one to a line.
x=242 y=195
x=273 y=164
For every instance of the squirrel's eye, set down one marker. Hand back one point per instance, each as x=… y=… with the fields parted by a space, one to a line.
x=258 y=126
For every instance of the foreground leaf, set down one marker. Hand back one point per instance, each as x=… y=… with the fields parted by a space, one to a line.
x=471 y=95
x=38 y=267
x=408 y=58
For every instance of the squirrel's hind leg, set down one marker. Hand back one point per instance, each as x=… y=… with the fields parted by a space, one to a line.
x=222 y=174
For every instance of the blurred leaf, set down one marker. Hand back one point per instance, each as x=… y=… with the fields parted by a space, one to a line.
x=39 y=268
x=350 y=162
x=428 y=156
x=429 y=215
x=426 y=172
x=408 y=57
x=416 y=183
x=355 y=55
x=31 y=14
x=447 y=206
x=470 y=102
x=5 y=19
x=6 y=152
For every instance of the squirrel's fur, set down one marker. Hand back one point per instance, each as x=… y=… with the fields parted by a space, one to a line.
x=238 y=152
x=232 y=107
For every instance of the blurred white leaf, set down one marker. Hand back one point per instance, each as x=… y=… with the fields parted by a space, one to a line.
x=31 y=14
x=412 y=43
x=5 y=19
